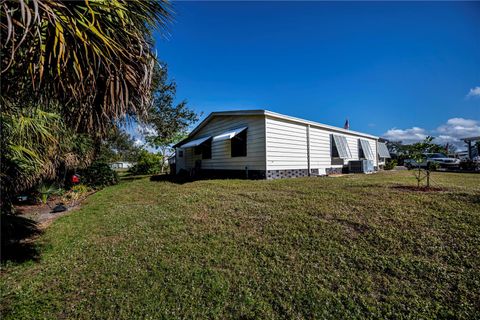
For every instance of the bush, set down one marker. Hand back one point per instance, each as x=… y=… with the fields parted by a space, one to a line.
x=390 y=164
x=98 y=175
x=148 y=163
x=74 y=195
x=469 y=165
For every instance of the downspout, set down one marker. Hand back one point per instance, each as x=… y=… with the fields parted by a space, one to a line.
x=308 y=149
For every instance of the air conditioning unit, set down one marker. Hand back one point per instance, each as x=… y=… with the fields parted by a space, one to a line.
x=360 y=166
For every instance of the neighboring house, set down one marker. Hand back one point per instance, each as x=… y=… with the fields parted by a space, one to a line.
x=267 y=145
x=121 y=165
x=473 y=146
x=461 y=155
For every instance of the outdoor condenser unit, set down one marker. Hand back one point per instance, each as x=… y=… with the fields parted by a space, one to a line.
x=360 y=166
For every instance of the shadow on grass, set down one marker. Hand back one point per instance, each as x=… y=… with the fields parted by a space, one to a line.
x=17 y=243
x=172 y=178
x=132 y=177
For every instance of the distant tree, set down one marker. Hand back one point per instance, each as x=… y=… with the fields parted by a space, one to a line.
x=449 y=148
x=118 y=146
x=167 y=122
x=395 y=147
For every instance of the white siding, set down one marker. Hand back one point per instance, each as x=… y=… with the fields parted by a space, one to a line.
x=320 y=150
x=286 y=144
x=221 y=156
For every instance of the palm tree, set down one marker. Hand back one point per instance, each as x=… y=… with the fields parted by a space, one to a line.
x=94 y=57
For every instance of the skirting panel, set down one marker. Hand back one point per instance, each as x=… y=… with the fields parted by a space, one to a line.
x=289 y=173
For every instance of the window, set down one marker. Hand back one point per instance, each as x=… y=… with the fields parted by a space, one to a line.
x=334 y=150
x=205 y=149
x=239 y=144
x=180 y=153
x=383 y=150
x=340 y=147
x=361 y=154
x=366 y=150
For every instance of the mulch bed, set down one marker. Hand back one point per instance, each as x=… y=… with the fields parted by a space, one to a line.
x=42 y=213
x=420 y=189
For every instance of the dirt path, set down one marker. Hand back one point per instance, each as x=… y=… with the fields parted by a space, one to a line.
x=43 y=215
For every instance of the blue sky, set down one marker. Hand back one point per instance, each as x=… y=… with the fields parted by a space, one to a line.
x=395 y=69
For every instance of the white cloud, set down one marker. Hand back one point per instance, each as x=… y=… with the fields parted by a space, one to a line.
x=451 y=131
x=138 y=142
x=406 y=135
x=474 y=92
x=145 y=130
x=457 y=128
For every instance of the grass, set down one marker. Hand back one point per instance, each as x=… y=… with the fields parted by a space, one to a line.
x=335 y=248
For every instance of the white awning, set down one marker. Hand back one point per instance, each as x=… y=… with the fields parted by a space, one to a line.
x=229 y=134
x=367 y=150
x=342 y=147
x=195 y=143
x=383 y=150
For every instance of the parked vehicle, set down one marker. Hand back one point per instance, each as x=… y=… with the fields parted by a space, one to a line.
x=439 y=159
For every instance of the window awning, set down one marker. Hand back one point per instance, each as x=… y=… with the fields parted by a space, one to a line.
x=195 y=143
x=367 y=150
x=342 y=147
x=229 y=134
x=383 y=150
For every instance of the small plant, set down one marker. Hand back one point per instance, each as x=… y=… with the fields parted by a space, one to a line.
x=418 y=151
x=74 y=195
x=390 y=164
x=47 y=190
x=80 y=188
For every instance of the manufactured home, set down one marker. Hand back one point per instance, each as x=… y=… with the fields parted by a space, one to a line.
x=267 y=145
x=121 y=165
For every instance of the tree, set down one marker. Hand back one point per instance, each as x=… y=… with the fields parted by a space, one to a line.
x=417 y=152
x=95 y=58
x=118 y=146
x=166 y=123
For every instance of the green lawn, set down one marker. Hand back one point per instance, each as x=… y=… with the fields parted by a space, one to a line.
x=345 y=247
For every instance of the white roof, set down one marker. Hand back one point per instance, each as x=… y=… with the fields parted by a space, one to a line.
x=195 y=143
x=229 y=134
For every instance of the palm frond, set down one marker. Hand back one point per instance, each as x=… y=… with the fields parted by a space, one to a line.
x=94 y=56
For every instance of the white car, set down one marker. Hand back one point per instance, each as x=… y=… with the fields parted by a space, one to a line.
x=440 y=159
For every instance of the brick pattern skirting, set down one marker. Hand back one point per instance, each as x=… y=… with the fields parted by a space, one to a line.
x=290 y=173
x=334 y=171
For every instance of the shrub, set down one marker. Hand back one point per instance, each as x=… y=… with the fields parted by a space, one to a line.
x=74 y=195
x=98 y=175
x=390 y=164
x=148 y=163
x=469 y=165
